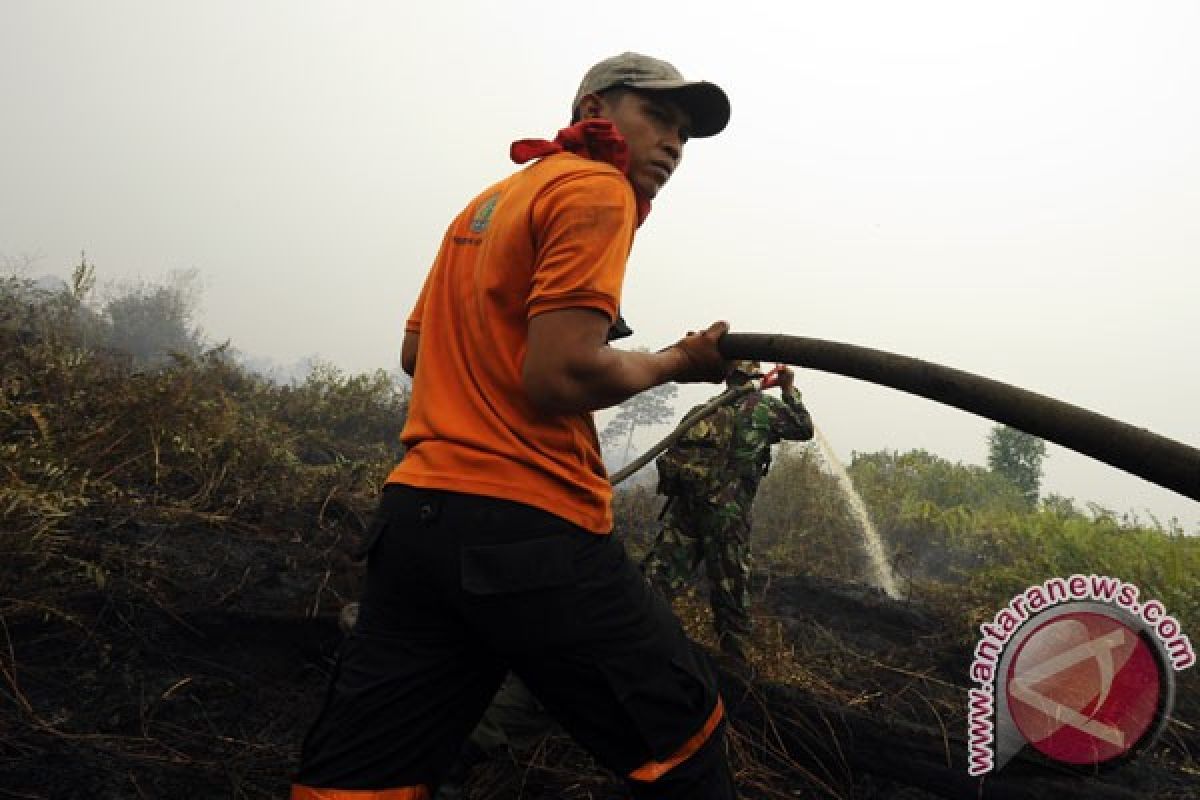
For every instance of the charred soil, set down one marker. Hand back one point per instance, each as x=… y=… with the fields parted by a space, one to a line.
x=194 y=665
x=176 y=544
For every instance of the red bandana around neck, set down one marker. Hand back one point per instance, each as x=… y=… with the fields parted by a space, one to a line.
x=597 y=139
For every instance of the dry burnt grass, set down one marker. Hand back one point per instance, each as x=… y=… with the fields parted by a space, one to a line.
x=191 y=673
x=174 y=548
x=195 y=669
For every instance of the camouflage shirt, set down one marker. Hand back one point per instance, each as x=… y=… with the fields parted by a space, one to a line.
x=721 y=458
x=760 y=421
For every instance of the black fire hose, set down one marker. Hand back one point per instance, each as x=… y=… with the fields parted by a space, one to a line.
x=1164 y=461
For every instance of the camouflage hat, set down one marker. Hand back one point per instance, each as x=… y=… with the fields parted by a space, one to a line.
x=705 y=102
x=751 y=369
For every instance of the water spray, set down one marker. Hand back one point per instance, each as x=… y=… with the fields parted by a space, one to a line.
x=881 y=569
x=1166 y=462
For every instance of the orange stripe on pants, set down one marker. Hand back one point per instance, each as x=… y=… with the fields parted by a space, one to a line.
x=653 y=770
x=403 y=793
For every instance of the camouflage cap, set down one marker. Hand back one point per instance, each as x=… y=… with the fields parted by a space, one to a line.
x=751 y=369
x=706 y=103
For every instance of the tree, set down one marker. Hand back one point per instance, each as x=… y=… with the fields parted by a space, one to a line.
x=89 y=326
x=83 y=280
x=152 y=321
x=1017 y=456
x=650 y=407
x=897 y=485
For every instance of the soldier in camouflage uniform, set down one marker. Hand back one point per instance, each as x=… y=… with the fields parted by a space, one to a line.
x=707 y=519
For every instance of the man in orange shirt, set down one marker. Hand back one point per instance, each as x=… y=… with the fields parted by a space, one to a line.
x=490 y=550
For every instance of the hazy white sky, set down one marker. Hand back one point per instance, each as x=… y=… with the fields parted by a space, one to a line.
x=1007 y=188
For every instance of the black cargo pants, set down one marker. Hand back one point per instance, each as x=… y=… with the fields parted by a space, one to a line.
x=462 y=588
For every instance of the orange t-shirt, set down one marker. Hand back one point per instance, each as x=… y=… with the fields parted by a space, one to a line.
x=555 y=235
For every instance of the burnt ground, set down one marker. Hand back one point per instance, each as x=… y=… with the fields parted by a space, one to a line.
x=185 y=657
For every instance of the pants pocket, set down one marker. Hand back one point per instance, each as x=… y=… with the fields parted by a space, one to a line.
x=668 y=706
x=514 y=567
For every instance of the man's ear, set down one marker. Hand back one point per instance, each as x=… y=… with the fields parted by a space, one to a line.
x=591 y=106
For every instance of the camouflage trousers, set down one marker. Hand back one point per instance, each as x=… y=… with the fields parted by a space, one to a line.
x=716 y=535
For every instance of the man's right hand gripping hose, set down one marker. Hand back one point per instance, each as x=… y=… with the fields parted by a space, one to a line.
x=702 y=362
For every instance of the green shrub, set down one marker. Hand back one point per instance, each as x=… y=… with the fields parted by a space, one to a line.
x=802 y=522
x=81 y=428
x=967 y=525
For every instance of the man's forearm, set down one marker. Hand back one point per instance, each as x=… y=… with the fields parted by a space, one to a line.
x=608 y=378
x=802 y=424
x=569 y=367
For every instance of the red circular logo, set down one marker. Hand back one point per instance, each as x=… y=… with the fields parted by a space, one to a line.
x=1084 y=688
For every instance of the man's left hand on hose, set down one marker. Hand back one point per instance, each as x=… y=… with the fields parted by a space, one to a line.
x=702 y=361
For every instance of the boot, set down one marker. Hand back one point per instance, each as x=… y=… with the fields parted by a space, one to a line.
x=348 y=617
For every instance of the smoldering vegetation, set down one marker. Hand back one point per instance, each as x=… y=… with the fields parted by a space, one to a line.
x=178 y=532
